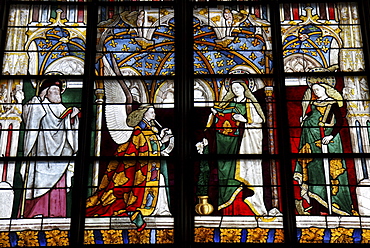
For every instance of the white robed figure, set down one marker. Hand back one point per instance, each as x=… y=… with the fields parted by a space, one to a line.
x=50 y=130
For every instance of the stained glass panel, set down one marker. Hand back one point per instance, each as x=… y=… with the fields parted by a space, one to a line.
x=45 y=40
x=136 y=122
x=329 y=115
x=321 y=35
x=228 y=38
x=134 y=118
x=236 y=118
x=136 y=41
x=39 y=120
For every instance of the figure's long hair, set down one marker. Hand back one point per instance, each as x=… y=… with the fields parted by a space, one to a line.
x=247 y=93
x=333 y=93
x=137 y=115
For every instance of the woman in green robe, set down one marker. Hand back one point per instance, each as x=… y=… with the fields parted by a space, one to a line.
x=323 y=179
x=238 y=122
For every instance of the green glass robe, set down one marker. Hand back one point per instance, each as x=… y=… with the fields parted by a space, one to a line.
x=310 y=171
x=227 y=142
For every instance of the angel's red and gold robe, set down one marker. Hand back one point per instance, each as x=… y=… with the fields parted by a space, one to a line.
x=132 y=187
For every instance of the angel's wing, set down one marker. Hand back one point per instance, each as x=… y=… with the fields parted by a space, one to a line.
x=115 y=112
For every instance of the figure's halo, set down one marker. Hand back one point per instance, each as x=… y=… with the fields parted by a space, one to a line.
x=329 y=80
x=53 y=73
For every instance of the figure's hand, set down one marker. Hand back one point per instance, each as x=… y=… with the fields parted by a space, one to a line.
x=200 y=145
x=167 y=134
x=205 y=142
x=239 y=117
x=75 y=112
x=165 y=131
x=327 y=139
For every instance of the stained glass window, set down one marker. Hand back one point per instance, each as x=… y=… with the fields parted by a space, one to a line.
x=40 y=121
x=237 y=119
x=327 y=114
x=184 y=123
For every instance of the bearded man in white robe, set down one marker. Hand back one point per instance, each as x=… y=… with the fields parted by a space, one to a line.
x=50 y=130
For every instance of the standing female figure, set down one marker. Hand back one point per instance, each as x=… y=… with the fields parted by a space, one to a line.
x=237 y=121
x=324 y=181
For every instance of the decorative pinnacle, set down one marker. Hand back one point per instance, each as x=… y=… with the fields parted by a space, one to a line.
x=309 y=18
x=309 y=12
x=58 y=20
